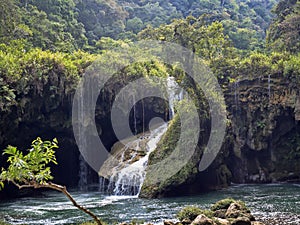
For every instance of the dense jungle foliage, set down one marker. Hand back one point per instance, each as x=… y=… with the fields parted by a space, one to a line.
x=46 y=45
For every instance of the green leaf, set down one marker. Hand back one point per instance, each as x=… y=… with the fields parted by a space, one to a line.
x=1 y=185
x=32 y=167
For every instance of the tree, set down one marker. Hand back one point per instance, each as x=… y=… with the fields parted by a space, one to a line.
x=32 y=170
x=206 y=40
x=283 y=34
x=135 y=24
x=8 y=18
x=101 y=18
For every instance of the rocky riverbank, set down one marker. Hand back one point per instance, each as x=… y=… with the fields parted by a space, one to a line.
x=224 y=212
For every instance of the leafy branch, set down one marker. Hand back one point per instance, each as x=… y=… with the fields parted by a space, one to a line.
x=32 y=170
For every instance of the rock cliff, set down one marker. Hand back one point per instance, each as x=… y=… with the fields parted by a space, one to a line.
x=261 y=144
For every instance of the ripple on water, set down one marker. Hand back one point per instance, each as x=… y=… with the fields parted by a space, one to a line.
x=279 y=203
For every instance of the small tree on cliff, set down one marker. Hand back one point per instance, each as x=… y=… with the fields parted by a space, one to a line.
x=32 y=170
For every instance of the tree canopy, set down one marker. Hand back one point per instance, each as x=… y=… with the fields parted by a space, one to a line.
x=283 y=34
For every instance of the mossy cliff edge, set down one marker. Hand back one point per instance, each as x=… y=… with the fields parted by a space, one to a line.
x=261 y=144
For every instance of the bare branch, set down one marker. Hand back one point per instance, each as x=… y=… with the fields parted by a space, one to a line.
x=21 y=186
x=60 y=188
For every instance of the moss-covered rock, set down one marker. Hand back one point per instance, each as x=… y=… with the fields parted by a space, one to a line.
x=233 y=213
x=191 y=212
x=156 y=183
x=222 y=204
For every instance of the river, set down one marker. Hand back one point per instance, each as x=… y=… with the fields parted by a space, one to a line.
x=265 y=201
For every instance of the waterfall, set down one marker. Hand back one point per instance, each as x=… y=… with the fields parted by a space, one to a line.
x=128 y=179
x=269 y=87
x=83 y=174
x=102 y=184
x=83 y=169
x=175 y=93
x=171 y=93
x=236 y=94
x=83 y=117
x=134 y=115
x=273 y=157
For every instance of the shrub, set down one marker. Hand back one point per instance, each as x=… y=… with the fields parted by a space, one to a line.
x=190 y=212
x=222 y=204
x=225 y=203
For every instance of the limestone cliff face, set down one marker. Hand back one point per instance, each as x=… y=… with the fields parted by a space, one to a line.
x=261 y=145
x=264 y=114
x=47 y=113
x=262 y=142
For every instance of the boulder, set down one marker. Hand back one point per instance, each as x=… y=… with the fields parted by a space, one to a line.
x=241 y=221
x=202 y=220
x=186 y=221
x=234 y=210
x=221 y=213
x=221 y=221
x=168 y=222
x=179 y=223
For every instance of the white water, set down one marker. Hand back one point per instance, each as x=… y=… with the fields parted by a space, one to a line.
x=83 y=174
x=83 y=168
x=175 y=93
x=51 y=208
x=128 y=180
x=134 y=115
x=236 y=94
x=269 y=87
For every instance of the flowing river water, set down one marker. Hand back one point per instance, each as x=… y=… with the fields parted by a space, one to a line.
x=281 y=201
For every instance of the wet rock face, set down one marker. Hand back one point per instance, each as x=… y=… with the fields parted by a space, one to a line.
x=297 y=109
x=46 y=118
x=265 y=125
x=42 y=114
x=261 y=145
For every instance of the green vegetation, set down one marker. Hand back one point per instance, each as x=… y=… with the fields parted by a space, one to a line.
x=32 y=170
x=228 y=209
x=71 y=25
x=45 y=47
x=191 y=212
x=222 y=204
x=3 y=223
x=283 y=34
x=225 y=203
x=44 y=73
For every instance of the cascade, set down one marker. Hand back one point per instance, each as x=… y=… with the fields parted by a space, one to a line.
x=269 y=87
x=175 y=93
x=102 y=184
x=134 y=115
x=273 y=157
x=84 y=169
x=236 y=94
x=83 y=174
x=127 y=177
